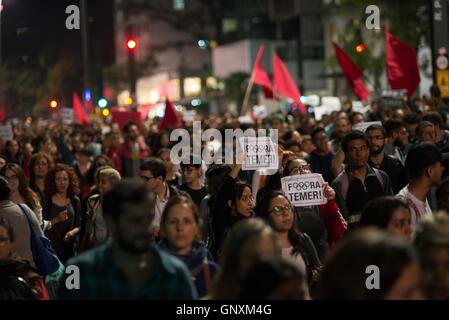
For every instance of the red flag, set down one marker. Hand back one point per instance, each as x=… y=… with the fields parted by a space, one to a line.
x=352 y=73
x=78 y=110
x=260 y=76
x=2 y=114
x=284 y=84
x=402 y=65
x=171 y=118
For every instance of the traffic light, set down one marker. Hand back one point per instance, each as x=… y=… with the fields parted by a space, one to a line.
x=360 y=48
x=131 y=44
x=102 y=103
x=53 y=104
x=105 y=112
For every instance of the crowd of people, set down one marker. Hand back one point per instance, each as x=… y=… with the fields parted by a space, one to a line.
x=111 y=202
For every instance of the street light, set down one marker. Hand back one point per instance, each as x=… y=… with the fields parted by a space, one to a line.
x=131 y=45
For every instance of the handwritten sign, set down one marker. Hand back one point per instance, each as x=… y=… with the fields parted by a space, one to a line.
x=364 y=125
x=259 y=153
x=67 y=115
x=6 y=132
x=304 y=190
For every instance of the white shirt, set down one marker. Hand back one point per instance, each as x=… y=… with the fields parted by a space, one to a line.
x=418 y=209
x=159 y=207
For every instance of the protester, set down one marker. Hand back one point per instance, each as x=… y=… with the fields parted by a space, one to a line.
x=93 y=225
x=180 y=225
x=40 y=164
x=359 y=182
x=320 y=159
x=432 y=242
x=388 y=213
x=17 y=220
x=394 y=274
x=12 y=266
x=425 y=131
x=441 y=135
x=173 y=178
x=129 y=266
x=191 y=174
x=397 y=143
x=424 y=170
x=154 y=172
x=378 y=159
x=234 y=203
x=61 y=189
x=274 y=279
x=248 y=242
x=275 y=208
x=342 y=126
x=21 y=191
x=133 y=152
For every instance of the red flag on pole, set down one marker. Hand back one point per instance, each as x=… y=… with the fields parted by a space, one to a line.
x=402 y=65
x=171 y=118
x=352 y=73
x=78 y=110
x=260 y=76
x=284 y=84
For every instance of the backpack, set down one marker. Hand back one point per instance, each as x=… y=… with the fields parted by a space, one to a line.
x=345 y=181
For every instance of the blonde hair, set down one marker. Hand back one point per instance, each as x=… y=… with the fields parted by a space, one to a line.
x=110 y=173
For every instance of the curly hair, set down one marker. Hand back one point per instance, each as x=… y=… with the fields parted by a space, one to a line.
x=30 y=197
x=50 y=183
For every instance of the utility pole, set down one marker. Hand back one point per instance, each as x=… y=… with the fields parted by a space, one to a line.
x=85 y=49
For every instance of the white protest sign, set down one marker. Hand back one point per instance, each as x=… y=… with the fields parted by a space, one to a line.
x=6 y=132
x=189 y=116
x=66 y=115
x=259 y=153
x=304 y=190
x=260 y=112
x=364 y=125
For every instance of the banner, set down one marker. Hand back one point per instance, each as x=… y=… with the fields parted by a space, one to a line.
x=259 y=153
x=304 y=190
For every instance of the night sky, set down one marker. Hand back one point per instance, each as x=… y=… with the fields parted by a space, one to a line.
x=30 y=26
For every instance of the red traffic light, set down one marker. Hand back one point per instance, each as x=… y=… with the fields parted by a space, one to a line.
x=131 y=44
x=53 y=104
x=360 y=48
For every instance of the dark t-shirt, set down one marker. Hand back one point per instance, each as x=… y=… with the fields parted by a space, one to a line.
x=196 y=195
x=322 y=164
x=395 y=170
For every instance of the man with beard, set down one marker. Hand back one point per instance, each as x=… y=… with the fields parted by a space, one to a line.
x=133 y=151
x=341 y=127
x=128 y=266
x=378 y=159
x=359 y=182
x=397 y=144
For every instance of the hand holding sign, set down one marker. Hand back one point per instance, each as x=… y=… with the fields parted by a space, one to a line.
x=329 y=193
x=306 y=189
x=259 y=153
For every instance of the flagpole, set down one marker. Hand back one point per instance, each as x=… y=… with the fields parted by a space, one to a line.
x=247 y=93
x=365 y=78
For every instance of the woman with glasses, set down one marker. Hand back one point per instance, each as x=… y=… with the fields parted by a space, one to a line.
x=323 y=223
x=20 y=189
x=234 y=203
x=275 y=208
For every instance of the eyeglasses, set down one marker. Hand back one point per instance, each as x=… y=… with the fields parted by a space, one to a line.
x=11 y=177
x=145 y=178
x=300 y=169
x=277 y=210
